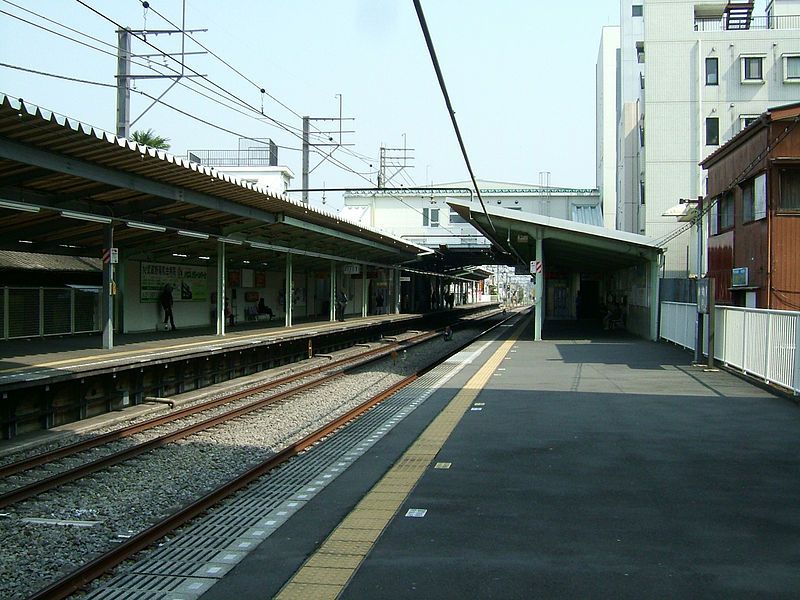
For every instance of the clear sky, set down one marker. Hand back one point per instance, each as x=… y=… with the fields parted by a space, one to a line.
x=520 y=73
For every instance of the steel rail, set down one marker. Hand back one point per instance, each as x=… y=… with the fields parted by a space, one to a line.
x=79 y=578
x=48 y=483
x=130 y=430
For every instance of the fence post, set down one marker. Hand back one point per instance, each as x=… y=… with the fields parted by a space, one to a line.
x=41 y=311
x=796 y=388
x=768 y=349
x=5 y=313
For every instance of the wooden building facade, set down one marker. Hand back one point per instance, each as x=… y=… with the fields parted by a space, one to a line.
x=753 y=213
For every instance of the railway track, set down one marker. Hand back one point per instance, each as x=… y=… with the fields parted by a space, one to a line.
x=292 y=384
x=140 y=540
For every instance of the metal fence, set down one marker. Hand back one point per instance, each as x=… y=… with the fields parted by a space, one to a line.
x=758 y=22
x=36 y=312
x=761 y=343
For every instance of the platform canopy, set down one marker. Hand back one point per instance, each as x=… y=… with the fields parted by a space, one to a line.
x=567 y=245
x=62 y=183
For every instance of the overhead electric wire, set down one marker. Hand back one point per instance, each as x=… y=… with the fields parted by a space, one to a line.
x=287 y=128
x=259 y=87
x=702 y=211
x=265 y=119
x=440 y=77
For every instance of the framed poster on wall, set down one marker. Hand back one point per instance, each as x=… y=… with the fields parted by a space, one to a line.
x=189 y=283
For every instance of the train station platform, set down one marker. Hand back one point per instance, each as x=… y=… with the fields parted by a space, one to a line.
x=50 y=382
x=569 y=468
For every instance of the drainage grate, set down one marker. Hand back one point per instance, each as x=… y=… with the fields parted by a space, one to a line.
x=189 y=563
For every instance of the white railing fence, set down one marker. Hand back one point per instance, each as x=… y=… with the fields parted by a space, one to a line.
x=761 y=343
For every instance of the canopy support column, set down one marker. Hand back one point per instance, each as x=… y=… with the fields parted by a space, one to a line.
x=107 y=301
x=538 y=301
x=220 y=310
x=289 y=291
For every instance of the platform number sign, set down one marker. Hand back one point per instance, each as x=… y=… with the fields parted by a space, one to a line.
x=536 y=267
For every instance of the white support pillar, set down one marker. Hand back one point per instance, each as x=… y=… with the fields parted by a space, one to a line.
x=539 y=294
x=220 y=316
x=289 y=291
x=364 y=304
x=107 y=301
x=398 y=287
x=654 y=296
x=332 y=301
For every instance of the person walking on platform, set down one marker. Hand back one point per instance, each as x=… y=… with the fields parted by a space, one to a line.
x=166 y=303
x=341 y=304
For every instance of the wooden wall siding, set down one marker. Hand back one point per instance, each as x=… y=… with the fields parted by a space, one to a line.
x=720 y=263
x=790 y=145
x=731 y=166
x=785 y=292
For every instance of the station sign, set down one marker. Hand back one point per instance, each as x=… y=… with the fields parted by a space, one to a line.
x=351 y=269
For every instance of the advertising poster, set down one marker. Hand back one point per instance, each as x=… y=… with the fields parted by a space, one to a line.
x=189 y=283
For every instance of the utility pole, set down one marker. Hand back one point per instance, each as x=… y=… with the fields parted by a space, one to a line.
x=124 y=76
x=308 y=144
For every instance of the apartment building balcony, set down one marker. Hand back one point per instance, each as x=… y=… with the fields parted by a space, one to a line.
x=721 y=23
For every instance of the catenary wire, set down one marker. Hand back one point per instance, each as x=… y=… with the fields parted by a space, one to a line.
x=452 y=113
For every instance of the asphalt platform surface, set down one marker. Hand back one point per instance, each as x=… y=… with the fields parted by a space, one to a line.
x=602 y=468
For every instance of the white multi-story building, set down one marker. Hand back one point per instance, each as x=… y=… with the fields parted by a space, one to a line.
x=607 y=98
x=423 y=216
x=692 y=73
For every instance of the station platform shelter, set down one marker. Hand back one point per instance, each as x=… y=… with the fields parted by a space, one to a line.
x=229 y=251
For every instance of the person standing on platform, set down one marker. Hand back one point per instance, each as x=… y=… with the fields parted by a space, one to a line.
x=341 y=304
x=166 y=303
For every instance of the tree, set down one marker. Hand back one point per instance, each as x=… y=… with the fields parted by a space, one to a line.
x=149 y=138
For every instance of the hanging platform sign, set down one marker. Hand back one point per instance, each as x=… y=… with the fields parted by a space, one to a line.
x=351 y=269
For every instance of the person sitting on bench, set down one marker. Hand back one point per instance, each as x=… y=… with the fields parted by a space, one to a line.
x=263 y=309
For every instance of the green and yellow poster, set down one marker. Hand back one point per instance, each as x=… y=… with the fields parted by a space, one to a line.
x=189 y=283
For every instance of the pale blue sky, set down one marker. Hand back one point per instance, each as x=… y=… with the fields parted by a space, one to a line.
x=521 y=76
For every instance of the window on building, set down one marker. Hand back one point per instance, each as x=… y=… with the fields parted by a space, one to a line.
x=456 y=218
x=754 y=199
x=752 y=69
x=430 y=217
x=640 y=52
x=791 y=68
x=745 y=120
x=637 y=10
x=713 y=221
x=790 y=189
x=641 y=193
x=726 y=211
x=712 y=131
x=712 y=70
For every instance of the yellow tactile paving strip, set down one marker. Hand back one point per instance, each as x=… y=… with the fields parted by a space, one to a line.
x=326 y=573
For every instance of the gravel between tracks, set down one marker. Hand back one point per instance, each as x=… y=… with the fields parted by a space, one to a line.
x=129 y=497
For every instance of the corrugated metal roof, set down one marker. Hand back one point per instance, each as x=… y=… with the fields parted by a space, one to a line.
x=58 y=163
x=32 y=261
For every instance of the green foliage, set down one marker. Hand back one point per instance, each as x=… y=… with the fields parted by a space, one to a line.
x=149 y=138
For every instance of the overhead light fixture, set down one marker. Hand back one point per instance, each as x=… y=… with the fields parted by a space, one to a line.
x=193 y=234
x=260 y=246
x=147 y=226
x=85 y=217
x=179 y=255
x=204 y=257
x=231 y=241
x=18 y=206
